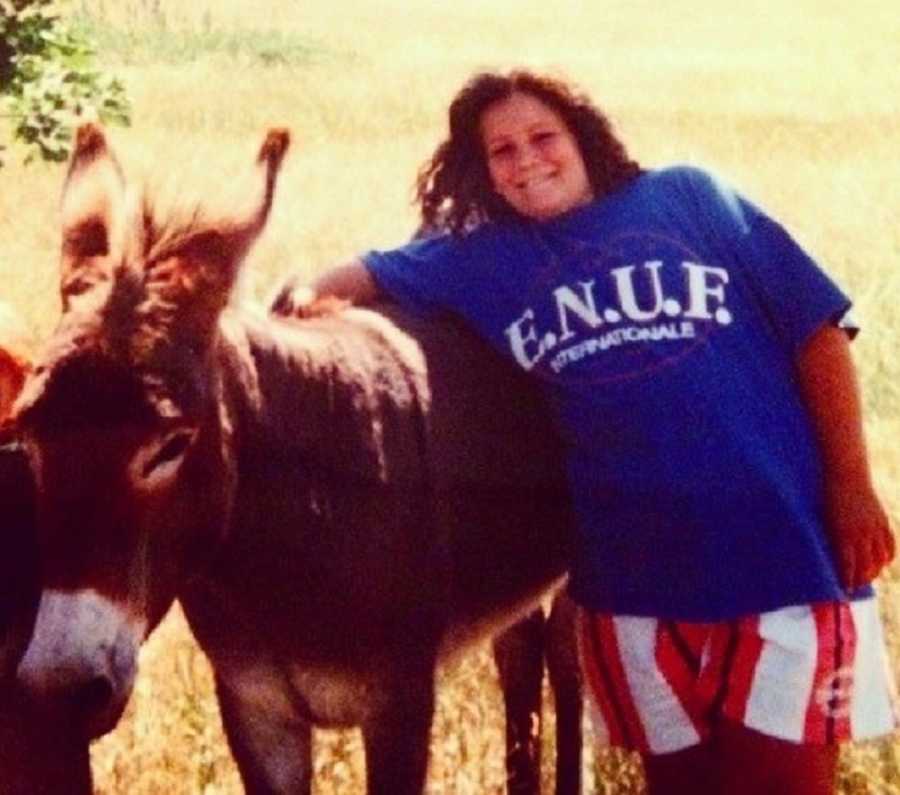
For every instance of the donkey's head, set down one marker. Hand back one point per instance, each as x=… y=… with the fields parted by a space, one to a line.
x=122 y=422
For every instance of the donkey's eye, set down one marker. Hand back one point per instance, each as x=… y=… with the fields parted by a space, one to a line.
x=173 y=449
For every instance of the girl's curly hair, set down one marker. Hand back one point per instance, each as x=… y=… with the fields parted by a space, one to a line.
x=454 y=189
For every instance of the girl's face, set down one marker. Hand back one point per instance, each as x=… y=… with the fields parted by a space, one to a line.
x=533 y=159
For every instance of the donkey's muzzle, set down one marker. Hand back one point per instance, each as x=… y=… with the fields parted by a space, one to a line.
x=81 y=660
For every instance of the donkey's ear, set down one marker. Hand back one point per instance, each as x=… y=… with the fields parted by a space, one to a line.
x=249 y=222
x=197 y=274
x=92 y=209
x=268 y=163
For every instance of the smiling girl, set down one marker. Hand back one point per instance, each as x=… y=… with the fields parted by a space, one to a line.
x=697 y=363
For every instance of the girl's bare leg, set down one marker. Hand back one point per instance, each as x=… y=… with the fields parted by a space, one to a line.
x=751 y=763
x=693 y=770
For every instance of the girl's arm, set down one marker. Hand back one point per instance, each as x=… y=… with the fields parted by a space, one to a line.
x=857 y=524
x=348 y=282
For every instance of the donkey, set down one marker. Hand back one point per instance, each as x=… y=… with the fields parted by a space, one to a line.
x=19 y=577
x=38 y=755
x=340 y=503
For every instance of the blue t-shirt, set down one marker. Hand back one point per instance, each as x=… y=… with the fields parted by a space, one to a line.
x=663 y=321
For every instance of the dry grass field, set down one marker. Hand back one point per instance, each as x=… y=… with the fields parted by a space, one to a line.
x=798 y=104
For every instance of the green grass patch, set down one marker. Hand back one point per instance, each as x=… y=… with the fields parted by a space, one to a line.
x=154 y=41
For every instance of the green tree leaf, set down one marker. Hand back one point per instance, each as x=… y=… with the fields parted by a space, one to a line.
x=48 y=80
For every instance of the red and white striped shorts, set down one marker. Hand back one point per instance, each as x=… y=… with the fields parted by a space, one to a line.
x=808 y=674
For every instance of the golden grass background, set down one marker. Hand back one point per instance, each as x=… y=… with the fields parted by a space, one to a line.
x=799 y=106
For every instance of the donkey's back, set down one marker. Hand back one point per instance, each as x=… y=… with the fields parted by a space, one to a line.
x=398 y=474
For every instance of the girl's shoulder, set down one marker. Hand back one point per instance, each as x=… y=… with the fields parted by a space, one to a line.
x=696 y=189
x=682 y=177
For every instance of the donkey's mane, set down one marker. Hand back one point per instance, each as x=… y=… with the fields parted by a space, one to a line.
x=166 y=230
x=163 y=233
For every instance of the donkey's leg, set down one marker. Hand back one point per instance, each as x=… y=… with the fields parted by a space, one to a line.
x=519 y=655
x=565 y=680
x=271 y=745
x=396 y=737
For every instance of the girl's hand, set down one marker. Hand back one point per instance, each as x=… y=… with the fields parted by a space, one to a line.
x=856 y=523
x=293 y=299
x=348 y=283
x=860 y=535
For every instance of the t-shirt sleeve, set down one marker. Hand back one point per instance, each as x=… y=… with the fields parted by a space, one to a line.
x=421 y=276
x=795 y=293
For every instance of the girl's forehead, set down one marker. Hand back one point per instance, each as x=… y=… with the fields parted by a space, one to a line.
x=514 y=113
